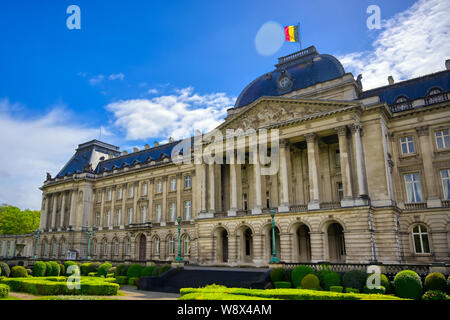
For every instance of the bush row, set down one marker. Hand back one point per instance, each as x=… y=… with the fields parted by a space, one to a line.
x=4 y=291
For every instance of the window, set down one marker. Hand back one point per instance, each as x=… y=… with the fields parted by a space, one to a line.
x=159 y=187
x=109 y=195
x=131 y=192
x=105 y=248
x=45 y=248
x=127 y=246
x=97 y=219
x=54 y=249
x=442 y=139
x=173 y=184
x=118 y=217
x=172 y=210
x=95 y=247
x=158 y=213
x=143 y=214
x=63 y=248
x=187 y=210
x=401 y=100
x=157 y=245
x=99 y=196
x=407 y=145
x=244 y=201
x=130 y=216
x=413 y=187
x=267 y=199
x=171 y=245
x=119 y=193
x=187 y=182
x=187 y=245
x=445 y=177
x=116 y=247
x=144 y=189
x=337 y=158
x=340 y=191
x=420 y=239
x=108 y=218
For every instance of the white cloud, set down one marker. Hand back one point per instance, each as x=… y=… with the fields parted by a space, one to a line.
x=30 y=148
x=152 y=91
x=96 y=79
x=414 y=42
x=170 y=115
x=116 y=76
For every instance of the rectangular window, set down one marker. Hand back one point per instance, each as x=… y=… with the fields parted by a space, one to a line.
x=173 y=184
x=187 y=182
x=144 y=189
x=119 y=217
x=407 y=145
x=187 y=210
x=99 y=196
x=130 y=215
x=172 y=209
x=130 y=191
x=119 y=193
x=442 y=139
x=337 y=158
x=158 y=213
x=144 y=214
x=159 y=186
x=109 y=195
x=445 y=177
x=413 y=187
x=97 y=219
x=340 y=191
x=108 y=218
x=244 y=202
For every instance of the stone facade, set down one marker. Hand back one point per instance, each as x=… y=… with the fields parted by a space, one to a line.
x=357 y=182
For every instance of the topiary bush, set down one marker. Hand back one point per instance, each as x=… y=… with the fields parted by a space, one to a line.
x=39 y=269
x=354 y=279
x=119 y=270
x=54 y=269
x=62 y=269
x=384 y=282
x=93 y=267
x=277 y=274
x=282 y=284
x=103 y=269
x=48 y=268
x=351 y=290
x=435 y=295
x=448 y=284
x=288 y=274
x=134 y=271
x=156 y=271
x=336 y=288
x=30 y=272
x=132 y=281
x=5 y=269
x=408 y=284
x=92 y=274
x=435 y=281
x=147 y=271
x=84 y=269
x=67 y=264
x=19 y=272
x=379 y=290
x=121 y=280
x=163 y=269
x=331 y=279
x=4 y=291
x=310 y=281
x=299 y=273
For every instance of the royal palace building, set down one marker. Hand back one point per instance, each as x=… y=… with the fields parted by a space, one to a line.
x=363 y=176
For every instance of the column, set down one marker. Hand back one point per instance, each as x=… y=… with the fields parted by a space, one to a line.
x=233 y=188
x=258 y=189
x=179 y=188
x=212 y=189
x=55 y=207
x=73 y=202
x=44 y=213
x=164 y=201
x=150 y=200
x=136 y=190
x=313 y=167
x=63 y=211
x=102 y=209
x=123 y=215
x=360 y=165
x=203 y=188
x=347 y=201
x=284 y=203
x=433 y=199
x=113 y=203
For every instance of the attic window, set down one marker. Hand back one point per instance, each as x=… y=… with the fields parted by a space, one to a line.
x=401 y=99
x=434 y=91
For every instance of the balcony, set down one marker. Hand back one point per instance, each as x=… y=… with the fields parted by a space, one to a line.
x=419 y=103
x=446 y=203
x=416 y=206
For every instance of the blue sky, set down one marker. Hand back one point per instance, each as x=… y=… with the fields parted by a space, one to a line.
x=144 y=70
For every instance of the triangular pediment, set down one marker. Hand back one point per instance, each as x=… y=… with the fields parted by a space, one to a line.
x=269 y=111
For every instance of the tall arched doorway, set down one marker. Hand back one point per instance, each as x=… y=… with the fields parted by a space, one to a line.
x=221 y=236
x=142 y=247
x=302 y=244
x=336 y=243
x=246 y=245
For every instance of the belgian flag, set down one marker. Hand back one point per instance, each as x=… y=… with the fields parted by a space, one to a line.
x=292 y=33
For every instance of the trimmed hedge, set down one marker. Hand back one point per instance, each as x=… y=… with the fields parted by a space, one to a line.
x=164 y=269
x=134 y=271
x=58 y=286
x=351 y=290
x=435 y=295
x=298 y=273
x=93 y=267
x=379 y=290
x=54 y=269
x=147 y=271
x=39 y=269
x=84 y=269
x=19 y=272
x=67 y=264
x=118 y=272
x=435 y=281
x=408 y=284
x=354 y=279
x=282 y=284
x=121 y=279
x=103 y=269
x=62 y=269
x=5 y=269
x=92 y=274
x=4 y=291
x=336 y=288
x=277 y=274
x=385 y=283
x=132 y=281
x=310 y=281
x=331 y=279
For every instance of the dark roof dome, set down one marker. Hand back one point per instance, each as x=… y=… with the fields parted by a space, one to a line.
x=293 y=72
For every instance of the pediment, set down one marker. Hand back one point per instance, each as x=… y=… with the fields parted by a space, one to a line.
x=272 y=111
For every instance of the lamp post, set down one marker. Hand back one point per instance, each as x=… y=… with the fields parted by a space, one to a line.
x=179 y=258
x=36 y=235
x=274 y=258
x=90 y=233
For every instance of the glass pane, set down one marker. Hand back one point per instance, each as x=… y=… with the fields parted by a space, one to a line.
x=411 y=147
x=426 y=245
x=417 y=245
x=418 y=191
x=447 y=141
x=404 y=149
x=416 y=229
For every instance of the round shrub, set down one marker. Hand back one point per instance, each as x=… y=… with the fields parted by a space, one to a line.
x=93 y=267
x=354 y=279
x=118 y=271
x=39 y=269
x=310 y=281
x=103 y=269
x=134 y=271
x=282 y=284
x=84 y=269
x=163 y=269
x=147 y=271
x=298 y=273
x=19 y=272
x=435 y=281
x=287 y=274
x=407 y=284
x=384 y=282
x=331 y=279
x=5 y=269
x=54 y=269
x=435 y=295
x=48 y=268
x=277 y=274
x=67 y=264
x=125 y=270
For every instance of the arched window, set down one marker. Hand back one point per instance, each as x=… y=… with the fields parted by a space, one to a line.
x=95 y=247
x=105 y=247
x=63 y=247
x=401 y=99
x=434 y=91
x=171 y=245
x=54 y=248
x=116 y=247
x=420 y=239
x=187 y=245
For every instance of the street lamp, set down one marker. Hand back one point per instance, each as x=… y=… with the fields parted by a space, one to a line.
x=36 y=235
x=274 y=258
x=90 y=233
x=179 y=258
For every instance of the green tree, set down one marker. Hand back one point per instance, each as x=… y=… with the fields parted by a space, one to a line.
x=15 y=221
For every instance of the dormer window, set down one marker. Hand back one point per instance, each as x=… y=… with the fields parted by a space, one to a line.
x=434 y=91
x=401 y=99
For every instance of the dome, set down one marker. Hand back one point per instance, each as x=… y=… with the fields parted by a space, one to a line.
x=293 y=72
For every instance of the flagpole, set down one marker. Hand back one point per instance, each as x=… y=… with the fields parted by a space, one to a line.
x=299 y=38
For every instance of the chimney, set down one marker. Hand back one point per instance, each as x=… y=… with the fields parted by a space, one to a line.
x=391 y=80
x=156 y=144
x=125 y=152
x=147 y=147
x=447 y=64
x=135 y=149
x=171 y=140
